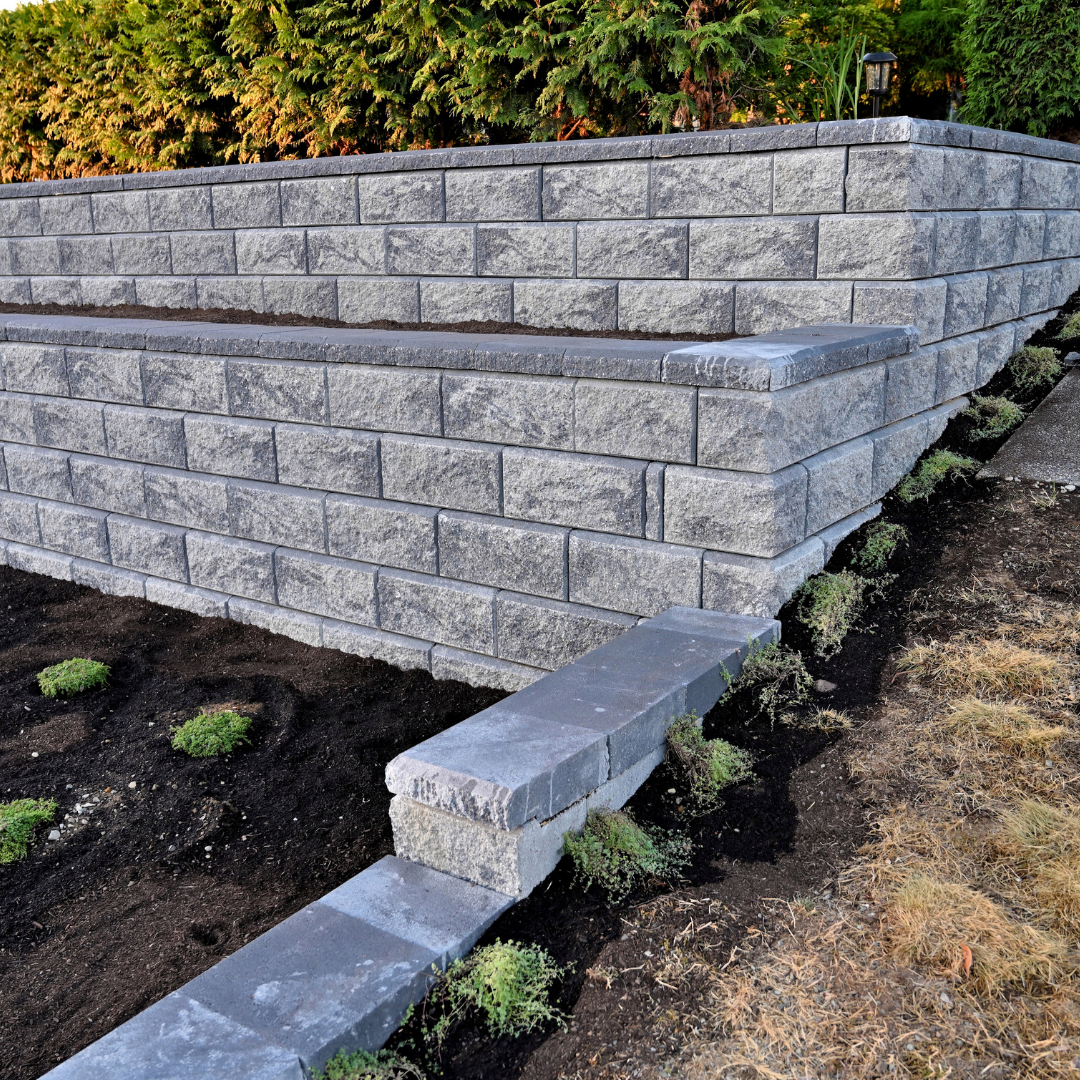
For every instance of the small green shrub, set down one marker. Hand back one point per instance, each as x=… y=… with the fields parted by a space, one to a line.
x=211 y=733
x=940 y=465
x=1070 y=328
x=828 y=605
x=616 y=853
x=72 y=677
x=508 y=983
x=18 y=820
x=774 y=678
x=993 y=417
x=360 y=1065
x=705 y=766
x=878 y=547
x=1033 y=367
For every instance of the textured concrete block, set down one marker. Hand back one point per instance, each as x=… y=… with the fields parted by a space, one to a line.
x=840 y=483
x=172 y=381
x=403 y=652
x=761 y=307
x=465 y=301
x=965 y=304
x=876 y=245
x=809 y=181
x=441 y=472
x=577 y=490
x=346 y=251
x=394 y=197
x=908 y=303
x=142 y=254
x=654 y=501
x=665 y=307
x=108 y=485
x=290 y=624
x=69 y=425
x=43 y=473
x=639 y=577
x=654 y=249
x=14 y=290
x=549 y=633
x=310 y=296
x=246 y=206
x=120 y=212
x=775 y=247
x=33 y=560
x=995 y=348
x=20 y=217
x=278 y=390
x=18 y=519
x=326 y=586
x=322 y=201
x=17 y=418
x=34 y=369
x=83 y=255
x=55 y=290
x=503 y=554
x=230 y=293
x=362 y=300
x=180 y=498
x=747 y=586
x=1062 y=237
x=74 y=530
x=1035 y=293
x=1047 y=185
x=476 y=670
x=330 y=459
x=175 y=209
x=1003 y=289
x=40 y=255
x=153 y=436
x=148 y=547
x=227 y=446
x=202 y=253
x=277 y=515
x=1030 y=236
x=958 y=367
x=896 y=450
x=493 y=194
x=202 y=602
x=538 y=250
x=269 y=251
x=384 y=398
x=451 y=613
x=431 y=249
x=1066 y=280
x=975 y=179
x=108 y=291
x=232 y=566
x=658 y=423
x=997 y=238
x=578 y=305
x=745 y=513
x=110 y=580
x=381 y=532
x=903 y=177
x=956 y=246
x=911 y=383
x=63 y=215
x=516 y=409
x=731 y=185
x=576 y=192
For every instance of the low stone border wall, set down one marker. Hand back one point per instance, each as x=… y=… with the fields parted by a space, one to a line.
x=481 y=823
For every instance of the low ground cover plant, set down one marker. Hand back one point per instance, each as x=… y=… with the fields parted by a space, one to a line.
x=941 y=465
x=880 y=544
x=992 y=417
x=360 y=1065
x=828 y=605
x=1034 y=367
x=705 y=766
x=508 y=984
x=211 y=732
x=773 y=679
x=72 y=677
x=617 y=854
x=1070 y=328
x=19 y=820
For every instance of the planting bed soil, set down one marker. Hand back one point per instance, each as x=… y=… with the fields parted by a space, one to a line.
x=172 y=863
x=266 y=318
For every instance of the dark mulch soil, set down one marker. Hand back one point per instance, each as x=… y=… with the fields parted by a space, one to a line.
x=265 y=318
x=131 y=905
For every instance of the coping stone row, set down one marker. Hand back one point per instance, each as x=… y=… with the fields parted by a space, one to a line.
x=763 y=362
x=890 y=129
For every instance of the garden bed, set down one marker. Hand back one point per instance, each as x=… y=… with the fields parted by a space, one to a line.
x=199 y=856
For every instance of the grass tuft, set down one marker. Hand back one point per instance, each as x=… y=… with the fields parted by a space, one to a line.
x=705 y=766
x=880 y=544
x=616 y=853
x=18 y=821
x=1011 y=726
x=997 y=668
x=819 y=720
x=1033 y=367
x=941 y=465
x=72 y=677
x=1071 y=327
x=212 y=732
x=828 y=605
x=360 y=1065
x=992 y=417
x=773 y=678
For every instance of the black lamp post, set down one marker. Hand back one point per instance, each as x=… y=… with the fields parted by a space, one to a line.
x=878 y=74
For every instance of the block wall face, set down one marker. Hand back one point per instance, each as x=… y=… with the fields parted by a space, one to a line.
x=947 y=227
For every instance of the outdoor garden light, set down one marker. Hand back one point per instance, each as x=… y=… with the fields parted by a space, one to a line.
x=878 y=73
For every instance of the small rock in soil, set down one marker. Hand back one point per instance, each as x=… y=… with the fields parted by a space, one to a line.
x=823 y=686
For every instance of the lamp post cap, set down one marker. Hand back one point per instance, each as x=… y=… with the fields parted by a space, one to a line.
x=878 y=58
